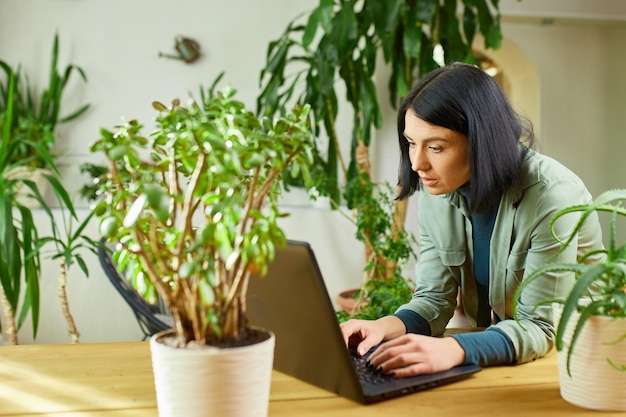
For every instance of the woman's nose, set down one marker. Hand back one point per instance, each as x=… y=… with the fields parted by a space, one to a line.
x=418 y=161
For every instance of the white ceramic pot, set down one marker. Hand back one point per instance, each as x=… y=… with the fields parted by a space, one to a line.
x=594 y=383
x=213 y=381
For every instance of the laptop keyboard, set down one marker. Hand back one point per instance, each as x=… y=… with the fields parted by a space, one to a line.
x=366 y=372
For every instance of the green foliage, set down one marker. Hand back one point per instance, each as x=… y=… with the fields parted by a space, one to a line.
x=35 y=116
x=18 y=251
x=336 y=47
x=97 y=173
x=384 y=288
x=331 y=54
x=375 y=223
x=600 y=287
x=68 y=242
x=20 y=243
x=194 y=220
x=378 y=298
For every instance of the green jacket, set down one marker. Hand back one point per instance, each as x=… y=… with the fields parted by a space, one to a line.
x=521 y=241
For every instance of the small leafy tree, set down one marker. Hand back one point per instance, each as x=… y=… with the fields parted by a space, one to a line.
x=197 y=218
x=384 y=288
x=336 y=49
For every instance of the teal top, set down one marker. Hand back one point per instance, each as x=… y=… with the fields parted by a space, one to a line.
x=520 y=242
x=489 y=347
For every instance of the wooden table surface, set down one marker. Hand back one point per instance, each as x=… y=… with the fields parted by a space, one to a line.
x=115 y=379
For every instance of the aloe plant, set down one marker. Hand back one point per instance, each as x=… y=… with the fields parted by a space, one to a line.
x=600 y=286
x=196 y=219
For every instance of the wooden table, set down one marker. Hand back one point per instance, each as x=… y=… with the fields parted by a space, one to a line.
x=115 y=379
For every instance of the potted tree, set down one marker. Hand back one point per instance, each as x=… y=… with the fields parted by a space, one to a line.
x=337 y=49
x=592 y=317
x=191 y=224
x=383 y=288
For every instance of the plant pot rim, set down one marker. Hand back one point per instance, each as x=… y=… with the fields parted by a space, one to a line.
x=157 y=340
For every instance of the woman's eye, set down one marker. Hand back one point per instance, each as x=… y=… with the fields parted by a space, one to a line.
x=435 y=149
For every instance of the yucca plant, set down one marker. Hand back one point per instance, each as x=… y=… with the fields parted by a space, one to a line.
x=337 y=49
x=600 y=285
x=193 y=221
x=66 y=245
x=35 y=116
x=27 y=126
x=20 y=243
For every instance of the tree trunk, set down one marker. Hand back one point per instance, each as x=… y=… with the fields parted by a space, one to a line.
x=65 y=307
x=10 y=328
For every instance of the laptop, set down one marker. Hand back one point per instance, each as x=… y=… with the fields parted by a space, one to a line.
x=292 y=301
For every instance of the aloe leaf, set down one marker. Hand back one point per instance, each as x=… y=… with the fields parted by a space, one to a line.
x=580 y=288
x=588 y=311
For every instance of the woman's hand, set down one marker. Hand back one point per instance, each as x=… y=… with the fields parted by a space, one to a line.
x=414 y=354
x=365 y=334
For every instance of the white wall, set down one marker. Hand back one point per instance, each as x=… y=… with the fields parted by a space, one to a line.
x=578 y=61
x=581 y=71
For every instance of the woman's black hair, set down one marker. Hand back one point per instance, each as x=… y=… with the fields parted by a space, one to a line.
x=464 y=98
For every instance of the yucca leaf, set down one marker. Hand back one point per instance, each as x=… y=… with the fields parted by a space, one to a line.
x=61 y=193
x=8 y=117
x=32 y=268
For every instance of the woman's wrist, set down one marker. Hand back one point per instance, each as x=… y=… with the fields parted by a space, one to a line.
x=393 y=327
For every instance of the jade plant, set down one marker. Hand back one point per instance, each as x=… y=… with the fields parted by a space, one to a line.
x=600 y=273
x=193 y=213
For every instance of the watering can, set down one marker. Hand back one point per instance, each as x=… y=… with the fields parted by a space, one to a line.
x=187 y=50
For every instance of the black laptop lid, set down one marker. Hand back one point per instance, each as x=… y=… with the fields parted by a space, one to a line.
x=292 y=301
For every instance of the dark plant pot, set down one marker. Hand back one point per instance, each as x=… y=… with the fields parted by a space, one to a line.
x=347 y=302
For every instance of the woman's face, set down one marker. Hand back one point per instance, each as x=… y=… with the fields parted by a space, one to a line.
x=438 y=155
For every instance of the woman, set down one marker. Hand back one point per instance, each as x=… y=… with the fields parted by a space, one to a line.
x=483 y=224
